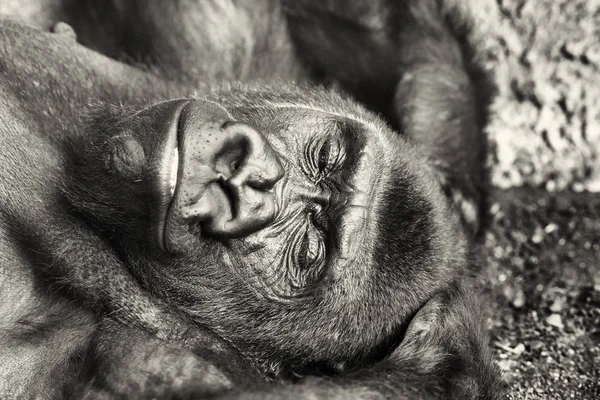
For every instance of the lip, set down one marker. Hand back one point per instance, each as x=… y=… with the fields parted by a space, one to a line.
x=168 y=176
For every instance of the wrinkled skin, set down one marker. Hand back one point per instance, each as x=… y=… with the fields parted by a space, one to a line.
x=187 y=238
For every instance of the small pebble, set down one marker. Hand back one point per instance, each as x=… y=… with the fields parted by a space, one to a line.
x=558 y=305
x=550 y=228
x=539 y=287
x=574 y=49
x=519 y=349
x=519 y=300
x=495 y=208
x=538 y=236
x=578 y=187
x=555 y=320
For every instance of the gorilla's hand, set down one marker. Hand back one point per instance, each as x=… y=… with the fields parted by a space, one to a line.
x=123 y=360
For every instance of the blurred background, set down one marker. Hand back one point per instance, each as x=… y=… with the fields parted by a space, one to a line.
x=544 y=242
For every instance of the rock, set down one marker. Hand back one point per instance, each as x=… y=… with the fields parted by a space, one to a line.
x=593 y=184
x=558 y=305
x=519 y=349
x=593 y=54
x=519 y=299
x=555 y=320
x=578 y=187
x=550 y=228
x=573 y=49
x=545 y=93
x=551 y=186
x=538 y=235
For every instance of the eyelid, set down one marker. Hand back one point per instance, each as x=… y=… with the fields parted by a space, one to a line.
x=313 y=243
x=310 y=242
x=336 y=155
x=327 y=151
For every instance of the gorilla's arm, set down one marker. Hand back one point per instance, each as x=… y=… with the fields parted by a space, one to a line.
x=125 y=361
x=57 y=249
x=63 y=246
x=444 y=355
x=245 y=39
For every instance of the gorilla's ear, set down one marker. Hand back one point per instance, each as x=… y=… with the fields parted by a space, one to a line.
x=424 y=320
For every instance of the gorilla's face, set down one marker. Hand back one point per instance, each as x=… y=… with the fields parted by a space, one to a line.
x=284 y=189
x=266 y=213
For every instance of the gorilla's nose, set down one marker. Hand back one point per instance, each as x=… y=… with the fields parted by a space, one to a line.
x=227 y=173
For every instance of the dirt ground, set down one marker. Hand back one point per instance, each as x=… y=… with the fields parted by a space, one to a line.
x=544 y=241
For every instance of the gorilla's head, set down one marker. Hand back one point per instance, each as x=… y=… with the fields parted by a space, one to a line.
x=295 y=225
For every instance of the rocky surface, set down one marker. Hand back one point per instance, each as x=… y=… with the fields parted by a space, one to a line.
x=544 y=241
x=543 y=255
x=546 y=123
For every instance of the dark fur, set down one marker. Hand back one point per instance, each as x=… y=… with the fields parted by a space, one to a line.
x=440 y=352
x=417 y=63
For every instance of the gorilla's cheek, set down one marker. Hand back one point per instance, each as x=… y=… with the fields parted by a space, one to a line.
x=263 y=264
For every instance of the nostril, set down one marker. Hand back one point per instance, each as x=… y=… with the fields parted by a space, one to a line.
x=235 y=165
x=230 y=160
x=250 y=157
x=231 y=195
x=228 y=123
x=266 y=175
x=261 y=185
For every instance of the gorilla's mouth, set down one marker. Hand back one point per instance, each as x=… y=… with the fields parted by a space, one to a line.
x=170 y=185
x=168 y=175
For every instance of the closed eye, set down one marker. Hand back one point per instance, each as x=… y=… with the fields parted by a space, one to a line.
x=311 y=251
x=326 y=156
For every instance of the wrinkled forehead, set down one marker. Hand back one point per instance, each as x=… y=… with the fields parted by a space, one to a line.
x=291 y=124
x=269 y=101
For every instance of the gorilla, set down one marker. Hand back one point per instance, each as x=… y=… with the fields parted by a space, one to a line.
x=188 y=212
